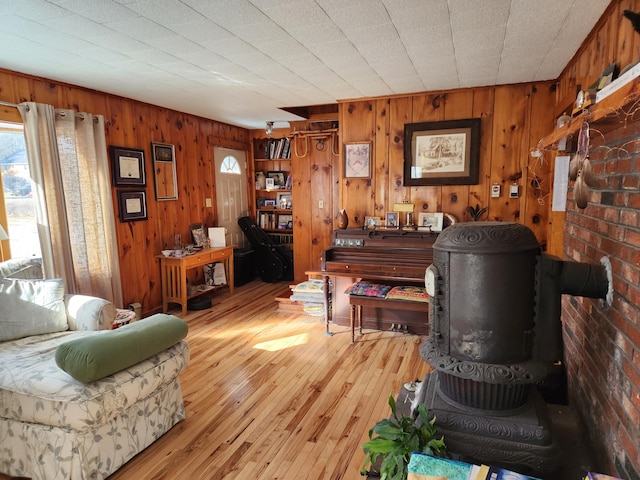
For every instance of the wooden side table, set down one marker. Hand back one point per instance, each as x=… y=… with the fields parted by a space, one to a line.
x=174 y=273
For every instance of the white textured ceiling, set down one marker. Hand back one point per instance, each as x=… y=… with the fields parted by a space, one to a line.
x=239 y=61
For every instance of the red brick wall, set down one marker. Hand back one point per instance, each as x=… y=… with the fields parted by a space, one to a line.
x=602 y=343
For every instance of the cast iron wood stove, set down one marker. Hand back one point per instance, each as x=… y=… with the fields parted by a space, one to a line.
x=496 y=333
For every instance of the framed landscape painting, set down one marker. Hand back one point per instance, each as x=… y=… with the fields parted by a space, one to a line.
x=442 y=153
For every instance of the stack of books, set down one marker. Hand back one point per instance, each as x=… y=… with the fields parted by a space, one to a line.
x=428 y=467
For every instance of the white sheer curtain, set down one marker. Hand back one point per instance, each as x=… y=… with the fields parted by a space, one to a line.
x=74 y=210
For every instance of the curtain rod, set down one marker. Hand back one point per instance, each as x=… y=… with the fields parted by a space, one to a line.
x=7 y=104
x=77 y=114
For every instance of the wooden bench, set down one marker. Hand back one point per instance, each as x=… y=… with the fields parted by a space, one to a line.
x=358 y=301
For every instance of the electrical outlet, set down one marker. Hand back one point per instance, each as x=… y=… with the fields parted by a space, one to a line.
x=495 y=190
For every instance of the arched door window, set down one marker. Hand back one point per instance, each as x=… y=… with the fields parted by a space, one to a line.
x=230 y=165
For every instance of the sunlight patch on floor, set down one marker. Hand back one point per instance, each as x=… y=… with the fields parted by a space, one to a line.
x=282 y=343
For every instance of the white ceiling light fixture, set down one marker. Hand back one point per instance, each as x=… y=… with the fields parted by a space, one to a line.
x=269 y=128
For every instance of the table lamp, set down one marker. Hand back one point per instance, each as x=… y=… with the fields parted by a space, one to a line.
x=406 y=208
x=3 y=237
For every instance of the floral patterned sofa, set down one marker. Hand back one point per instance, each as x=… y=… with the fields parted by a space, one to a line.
x=54 y=426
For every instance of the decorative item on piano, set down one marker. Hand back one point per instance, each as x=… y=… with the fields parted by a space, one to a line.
x=392 y=220
x=406 y=208
x=371 y=223
x=432 y=222
x=343 y=219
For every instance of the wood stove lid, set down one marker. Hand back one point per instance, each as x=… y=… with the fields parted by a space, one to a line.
x=486 y=237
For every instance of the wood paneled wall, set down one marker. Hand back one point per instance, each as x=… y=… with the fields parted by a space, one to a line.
x=514 y=118
x=135 y=124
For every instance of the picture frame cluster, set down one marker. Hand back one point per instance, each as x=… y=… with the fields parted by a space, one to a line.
x=128 y=171
x=129 y=176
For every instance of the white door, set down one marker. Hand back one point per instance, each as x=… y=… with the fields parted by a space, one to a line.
x=231 y=192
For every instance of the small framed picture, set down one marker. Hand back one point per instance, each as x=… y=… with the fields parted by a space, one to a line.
x=270 y=184
x=198 y=234
x=132 y=205
x=371 y=222
x=432 y=222
x=392 y=220
x=270 y=202
x=127 y=166
x=279 y=178
x=284 y=201
x=285 y=222
x=357 y=159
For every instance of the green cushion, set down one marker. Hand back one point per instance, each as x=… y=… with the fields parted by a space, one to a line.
x=91 y=358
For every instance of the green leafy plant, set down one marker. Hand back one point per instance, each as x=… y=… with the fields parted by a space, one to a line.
x=396 y=438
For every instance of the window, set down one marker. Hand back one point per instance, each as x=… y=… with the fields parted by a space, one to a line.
x=230 y=165
x=16 y=186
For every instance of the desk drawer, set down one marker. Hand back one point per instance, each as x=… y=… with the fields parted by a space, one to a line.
x=202 y=258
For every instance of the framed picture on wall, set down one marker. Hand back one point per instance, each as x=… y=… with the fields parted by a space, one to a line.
x=127 y=165
x=357 y=159
x=164 y=168
x=442 y=153
x=132 y=205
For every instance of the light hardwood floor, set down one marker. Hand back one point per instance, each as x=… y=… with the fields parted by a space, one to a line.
x=269 y=396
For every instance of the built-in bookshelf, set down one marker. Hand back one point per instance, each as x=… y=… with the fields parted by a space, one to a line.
x=274 y=206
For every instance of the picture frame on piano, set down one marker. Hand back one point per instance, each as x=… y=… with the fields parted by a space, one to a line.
x=393 y=220
x=371 y=223
x=432 y=222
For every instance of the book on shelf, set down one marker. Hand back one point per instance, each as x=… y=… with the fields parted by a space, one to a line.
x=278 y=148
x=286 y=150
x=267 y=221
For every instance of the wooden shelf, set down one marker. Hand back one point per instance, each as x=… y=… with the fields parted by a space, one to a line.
x=603 y=111
x=283 y=211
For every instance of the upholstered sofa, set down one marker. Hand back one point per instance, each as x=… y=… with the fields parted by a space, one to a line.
x=78 y=400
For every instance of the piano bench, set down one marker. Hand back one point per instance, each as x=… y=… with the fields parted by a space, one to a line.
x=358 y=301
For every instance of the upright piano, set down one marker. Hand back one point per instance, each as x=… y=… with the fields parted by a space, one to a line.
x=393 y=256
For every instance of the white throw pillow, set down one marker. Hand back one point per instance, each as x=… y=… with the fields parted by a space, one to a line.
x=31 y=307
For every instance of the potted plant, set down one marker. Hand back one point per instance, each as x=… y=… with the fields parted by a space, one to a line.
x=396 y=438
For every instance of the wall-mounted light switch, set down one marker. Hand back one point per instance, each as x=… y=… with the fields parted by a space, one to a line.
x=495 y=190
x=207 y=202
x=513 y=191
x=320 y=203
